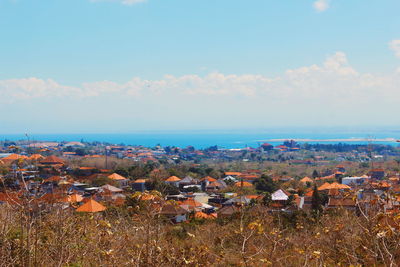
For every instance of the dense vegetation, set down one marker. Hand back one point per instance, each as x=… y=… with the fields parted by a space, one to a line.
x=135 y=236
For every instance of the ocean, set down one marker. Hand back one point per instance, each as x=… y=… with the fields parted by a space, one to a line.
x=223 y=139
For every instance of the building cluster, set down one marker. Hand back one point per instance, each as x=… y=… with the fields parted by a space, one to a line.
x=47 y=179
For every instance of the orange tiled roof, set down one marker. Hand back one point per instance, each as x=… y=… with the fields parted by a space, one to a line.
x=116 y=176
x=12 y=157
x=339 y=186
x=325 y=186
x=208 y=178
x=253 y=196
x=35 y=157
x=191 y=202
x=233 y=173
x=306 y=180
x=173 y=179
x=52 y=160
x=91 y=206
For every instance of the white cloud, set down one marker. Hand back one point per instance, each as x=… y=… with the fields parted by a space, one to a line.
x=332 y=92
x=395 y=46
x=334 y=82
x=321 y=5
x=124 y=2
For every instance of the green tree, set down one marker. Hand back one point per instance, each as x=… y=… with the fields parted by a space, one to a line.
x=265 y=184
x=315 y=174
x=267 y=199
x=316 y=201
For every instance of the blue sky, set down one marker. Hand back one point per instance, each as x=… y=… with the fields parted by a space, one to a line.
x=121 y=66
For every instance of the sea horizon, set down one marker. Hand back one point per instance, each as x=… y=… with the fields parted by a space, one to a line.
x=222 y=138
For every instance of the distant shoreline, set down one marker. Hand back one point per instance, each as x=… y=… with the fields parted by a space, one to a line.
x=332 y=140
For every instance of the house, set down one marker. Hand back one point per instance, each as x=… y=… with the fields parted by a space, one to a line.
x=174 y=213
x=35 y=157
x=120 y=180
x=91 y=206
x=230 y=179
x=217 y=185
x=324 y=187
x=240 y=200
x=173 y=180
x=354 y=180
x=243 y=184
x=187 y=181
x=306 y=180
x=139 y=185
x=227 y=211
x=191 y=204
x=233 y=174
x=109 y=189
x=206 y=181
x=280 y=195
x=342 y=202
x=52 y=160
x=328 y=186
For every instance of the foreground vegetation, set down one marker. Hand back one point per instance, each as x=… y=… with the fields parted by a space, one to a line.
x=134 y=236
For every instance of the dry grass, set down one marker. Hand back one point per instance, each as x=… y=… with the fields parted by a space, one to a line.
x=57 y=237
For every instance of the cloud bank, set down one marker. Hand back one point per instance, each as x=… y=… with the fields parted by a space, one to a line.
x=335 y=79
x=332 y=92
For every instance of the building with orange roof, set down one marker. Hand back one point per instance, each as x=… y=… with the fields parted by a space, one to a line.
x=338 y=186
x=209 y=179
x=173 y=180
x=306 y=180
x=116 y=177
x=12 y=157
x=191 y=204
x=174 y=212
x=254 y=197
x=325 y=186
x=91 y=206
x=52 y=160
x=119 y=179
x=233 y=174
x=36 y=157
x=335 y=185
x=329 y=177
x=204 y=182
x=139 y=185
x=309 y=193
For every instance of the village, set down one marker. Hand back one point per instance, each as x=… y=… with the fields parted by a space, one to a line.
x=109 y=205
x=183 y=184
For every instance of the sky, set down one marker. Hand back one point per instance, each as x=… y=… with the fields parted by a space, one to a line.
x=120 y=66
